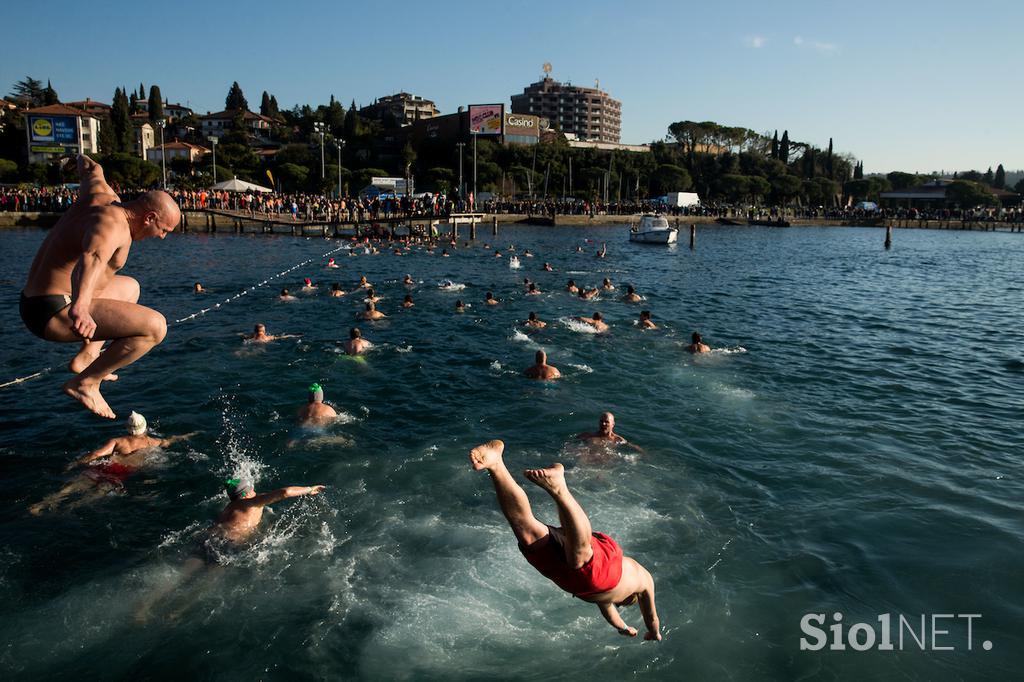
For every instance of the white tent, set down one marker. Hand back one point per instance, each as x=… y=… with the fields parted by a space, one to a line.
x=236 y=185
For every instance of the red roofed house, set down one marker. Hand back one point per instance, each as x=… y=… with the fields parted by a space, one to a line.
x=218 y=124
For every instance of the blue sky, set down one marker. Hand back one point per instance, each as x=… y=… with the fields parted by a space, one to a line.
x=901 y=85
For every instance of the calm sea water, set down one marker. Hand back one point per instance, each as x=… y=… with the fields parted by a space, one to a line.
x=856 y=450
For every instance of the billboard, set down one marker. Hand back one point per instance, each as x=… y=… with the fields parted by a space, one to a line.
x=485 y=119
x=53 y=131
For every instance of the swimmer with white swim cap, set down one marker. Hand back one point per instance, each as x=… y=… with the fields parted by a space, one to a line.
x=124 y=456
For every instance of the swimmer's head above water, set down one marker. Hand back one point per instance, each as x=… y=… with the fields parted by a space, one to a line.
x=238 y=488
x=316 y=393
x=136 y=424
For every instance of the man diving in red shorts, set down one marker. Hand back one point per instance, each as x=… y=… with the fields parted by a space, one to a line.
x=586 y=564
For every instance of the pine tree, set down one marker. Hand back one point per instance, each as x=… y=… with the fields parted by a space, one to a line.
x=30 y=91
x=775 y=145
x=784 y=148
x=988 y=178
x=1000 y=179
x=235 y=99
x=828 y=161
x=265 y=104
x=156 y=104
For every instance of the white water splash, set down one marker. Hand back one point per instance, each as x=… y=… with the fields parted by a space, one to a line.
x=577 y=326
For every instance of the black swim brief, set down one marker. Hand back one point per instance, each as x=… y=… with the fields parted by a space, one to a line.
x=36 y=311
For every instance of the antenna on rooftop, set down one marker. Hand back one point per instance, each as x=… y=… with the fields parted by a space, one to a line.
x=597 y=83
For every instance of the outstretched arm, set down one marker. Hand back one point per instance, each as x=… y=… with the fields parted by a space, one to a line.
x=647 y=608
x=105 y=451
x=266 y=499
x=611 y=614
x=174 y=439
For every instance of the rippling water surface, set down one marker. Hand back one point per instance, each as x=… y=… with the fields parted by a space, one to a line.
x=855 y=448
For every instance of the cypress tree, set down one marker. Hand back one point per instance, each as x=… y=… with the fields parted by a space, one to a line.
x=775 y=145
x=156 y=104
x=235 y=99
x=273 y=106
x=142 y=91
x=784 y=148
x=50 y=95
x=352 y=123
x=988 y=178
x=120 y=122
x=1000 y=179
x=828 y=161
x=265 y=104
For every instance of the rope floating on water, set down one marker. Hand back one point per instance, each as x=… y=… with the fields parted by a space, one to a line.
x=199 y=313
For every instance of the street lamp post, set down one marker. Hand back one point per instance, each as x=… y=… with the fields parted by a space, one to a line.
x=340 y=143
x=319 y=128
x=163 y=158
x=213 y=140
x=462 y=190
x=474 y=170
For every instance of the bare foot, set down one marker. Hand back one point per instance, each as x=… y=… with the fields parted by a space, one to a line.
x=551 y=479
x=89 y=395
x=487 y=455
x=36 y=509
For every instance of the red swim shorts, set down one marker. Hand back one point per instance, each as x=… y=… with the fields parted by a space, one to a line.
x=600 y=574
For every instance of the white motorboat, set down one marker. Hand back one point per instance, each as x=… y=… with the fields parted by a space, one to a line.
x=653 y=229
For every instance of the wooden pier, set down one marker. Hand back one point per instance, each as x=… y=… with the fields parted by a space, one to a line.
x=241 y=222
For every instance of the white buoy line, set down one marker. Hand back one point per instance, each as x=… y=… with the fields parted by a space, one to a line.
x=199 y=313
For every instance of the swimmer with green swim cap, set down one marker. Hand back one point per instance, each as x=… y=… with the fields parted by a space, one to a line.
x=315 y=411
x=245 y=510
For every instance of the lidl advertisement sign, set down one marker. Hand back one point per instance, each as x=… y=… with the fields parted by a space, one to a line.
x=53 y=130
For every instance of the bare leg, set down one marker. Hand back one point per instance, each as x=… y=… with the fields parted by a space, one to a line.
x=512 y=499
x=133 y=329
x=191 y=566
x=120 y=288
x=79 y=484
x=574 y=520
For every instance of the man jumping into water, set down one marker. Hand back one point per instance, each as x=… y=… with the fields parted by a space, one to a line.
x=589 y=565
x=73 y=293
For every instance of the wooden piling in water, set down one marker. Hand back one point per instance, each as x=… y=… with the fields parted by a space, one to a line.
x=472 y=230
x=693 y=234
x=888 y=236
x=494 y=225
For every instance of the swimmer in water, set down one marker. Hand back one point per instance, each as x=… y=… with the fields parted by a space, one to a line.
x=408 y=281
x=407 y=303
x=286 y=296
x=444 y=253
x=356 y=344
x=234 y=526
x=528 y=254
x=497 y=254
x=541 y=369
x=605 y=431
x=645 y=321
x=533 y=290
x=331 y=263
x=579 y=249
x=590 y=566
x=336 y=291
x=596 y=322
x=631 y=295
x=316 y=411
x=307 y=285
x=197 y=288
x=371 y=312
x=124 y=456
x=260 y=335
x=363 y=284
x=490 y=300
x=371 y=296
x=607 y=285
x=604 y=250
x=535 y=322
x=571 y=287
x=548 y=268
x=587 y=294
x=460 y=307
x=698 y=345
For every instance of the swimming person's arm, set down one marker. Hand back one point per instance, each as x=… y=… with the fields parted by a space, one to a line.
x=174 y=439
x=647 y=608
x=105 y=451
x=265 y=499
x=611 y=614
